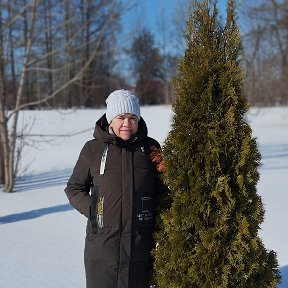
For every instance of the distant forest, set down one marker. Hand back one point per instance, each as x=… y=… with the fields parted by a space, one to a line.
x=64 y=54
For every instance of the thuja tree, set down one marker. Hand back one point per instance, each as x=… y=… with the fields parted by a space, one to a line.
x=209 y=234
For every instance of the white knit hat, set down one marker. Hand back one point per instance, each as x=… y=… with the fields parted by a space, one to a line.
x=121 y=102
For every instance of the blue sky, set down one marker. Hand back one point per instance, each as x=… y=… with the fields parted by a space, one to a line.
x=151 y=13
x=153 y=8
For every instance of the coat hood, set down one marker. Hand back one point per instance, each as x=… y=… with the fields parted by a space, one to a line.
x=102 y=134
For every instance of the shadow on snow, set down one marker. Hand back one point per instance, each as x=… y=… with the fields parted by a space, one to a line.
x=274 y=156
x=39 y=181
x=28 y=215
x=42 y=180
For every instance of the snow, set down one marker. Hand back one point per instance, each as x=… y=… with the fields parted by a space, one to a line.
x=42 y=237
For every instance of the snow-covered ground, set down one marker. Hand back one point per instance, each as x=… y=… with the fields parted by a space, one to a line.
x=42 y=237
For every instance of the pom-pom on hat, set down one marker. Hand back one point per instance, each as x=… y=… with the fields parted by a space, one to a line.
x=121 y=102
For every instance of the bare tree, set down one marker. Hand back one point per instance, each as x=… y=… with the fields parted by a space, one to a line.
x=47 y=8
x=2 y=76
x=265 y=38
x=9 y=139
x=37 y=62
x=170 y=60
x=181 y=12
x=2 y=171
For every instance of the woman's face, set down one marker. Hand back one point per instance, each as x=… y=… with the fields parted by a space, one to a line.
x=124 y=125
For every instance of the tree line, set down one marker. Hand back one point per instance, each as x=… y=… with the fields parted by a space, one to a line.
x=45 y=44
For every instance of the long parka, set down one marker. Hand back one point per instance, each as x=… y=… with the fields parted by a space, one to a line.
x=115 y=184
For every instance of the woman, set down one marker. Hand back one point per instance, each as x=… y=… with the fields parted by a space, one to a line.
x=115 y=185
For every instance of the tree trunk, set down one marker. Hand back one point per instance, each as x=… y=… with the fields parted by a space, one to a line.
x=27 y=95
x=49 y=45
x=4 y=146
x=2 y=174
x=12 y=58
x=67 y=101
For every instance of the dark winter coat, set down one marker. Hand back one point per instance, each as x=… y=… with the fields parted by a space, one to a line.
x=119 y=205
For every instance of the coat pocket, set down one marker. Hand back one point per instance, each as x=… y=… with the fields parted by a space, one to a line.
x=96 y=211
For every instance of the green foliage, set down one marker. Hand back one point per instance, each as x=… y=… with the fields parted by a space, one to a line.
x=209 y=234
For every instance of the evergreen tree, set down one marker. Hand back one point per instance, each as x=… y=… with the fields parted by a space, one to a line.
x=209 y=235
